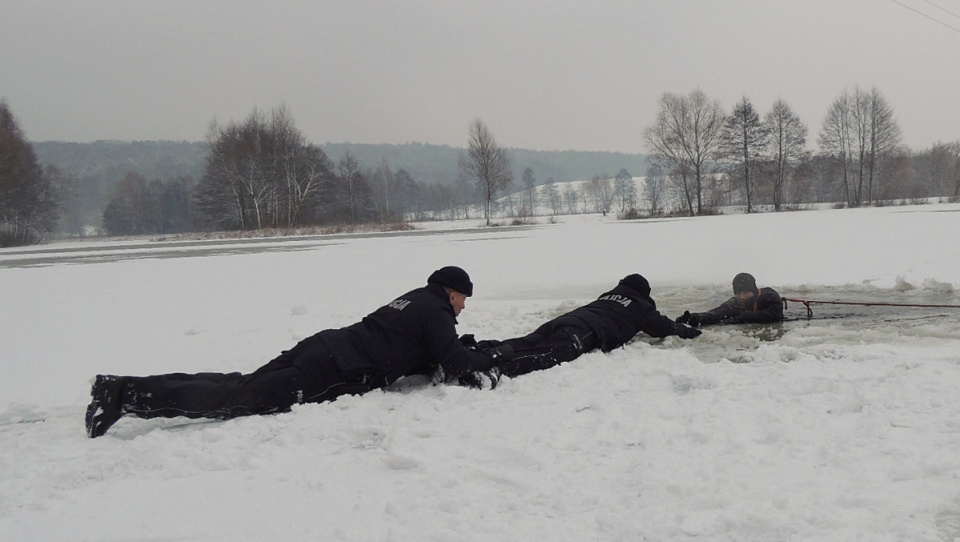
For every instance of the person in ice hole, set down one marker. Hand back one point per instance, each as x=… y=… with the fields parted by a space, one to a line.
x=749 y=305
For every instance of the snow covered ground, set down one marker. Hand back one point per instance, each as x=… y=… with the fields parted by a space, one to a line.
x=843 y=427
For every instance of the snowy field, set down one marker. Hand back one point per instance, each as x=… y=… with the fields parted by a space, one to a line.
x=840 y=428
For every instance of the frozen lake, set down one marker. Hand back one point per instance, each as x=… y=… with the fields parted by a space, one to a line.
x=842 y=427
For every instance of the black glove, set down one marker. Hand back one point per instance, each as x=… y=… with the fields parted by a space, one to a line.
x=468 y=341
x=689 y=319
x=685 y=332
x=481 y=380
x=487 y=344
x=501 y=353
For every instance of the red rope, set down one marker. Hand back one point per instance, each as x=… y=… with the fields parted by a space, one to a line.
x=807 y=302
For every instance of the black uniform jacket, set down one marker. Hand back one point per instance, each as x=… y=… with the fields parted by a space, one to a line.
x=617 y=316
x=414 y=331
x=767 y=307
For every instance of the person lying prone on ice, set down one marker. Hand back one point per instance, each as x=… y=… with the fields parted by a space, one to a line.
x=399 y=339
x=609 y=322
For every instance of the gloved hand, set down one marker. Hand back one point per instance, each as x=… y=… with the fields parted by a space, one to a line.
x=689 y=319
x=481 y=380
x=438 y=376
x=501 y=353
x=468 y=341
x=685 y=332
x=487 y=344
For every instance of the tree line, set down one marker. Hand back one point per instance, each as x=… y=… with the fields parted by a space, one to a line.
x=704 y=158
x=262 y=173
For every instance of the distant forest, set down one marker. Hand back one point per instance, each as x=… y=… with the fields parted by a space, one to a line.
x=97 y=168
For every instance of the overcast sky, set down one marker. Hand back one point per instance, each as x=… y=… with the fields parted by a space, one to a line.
x=545 y=75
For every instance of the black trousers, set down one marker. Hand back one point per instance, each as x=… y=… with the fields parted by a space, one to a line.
x=546 y=347
x=306 y=373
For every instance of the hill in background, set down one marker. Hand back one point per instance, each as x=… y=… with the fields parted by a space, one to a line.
x=103 y=163
x=97 y=167
x=105 y=160
x=437 y=164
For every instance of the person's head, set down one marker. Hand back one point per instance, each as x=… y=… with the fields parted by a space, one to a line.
x=456 y=282
x=744 y=288
x=639 y=284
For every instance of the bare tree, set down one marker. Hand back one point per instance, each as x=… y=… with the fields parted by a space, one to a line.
x=139 y=207
x=884 y=136
x=383 y=185
x=834 y=140
x=572 y=198
x=939 y=169
x=508 y=204
x=464 y=196
x=860 y=138
x=653 y=188
x=898 y=178
x=354 y=190
x=951 y=153
x=301 y=166
x=956 y=170
x=684 y=137
x=260 y=173
x=552 y=194
x=743 y=143
x=407 y=195
x=625 y=190
x=860 y=132
x=585 y=192
x=602 y=191
x=787 y=139
x=127 y=211
x=235 y=186
x=530 y=185
x=486 y=163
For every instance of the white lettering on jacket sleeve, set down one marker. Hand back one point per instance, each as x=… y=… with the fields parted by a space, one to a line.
x=399 y=304
x=616 y=298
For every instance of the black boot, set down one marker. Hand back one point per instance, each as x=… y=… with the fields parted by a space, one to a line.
x=106 y=407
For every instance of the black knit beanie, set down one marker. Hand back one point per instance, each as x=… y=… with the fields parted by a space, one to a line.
x=744 y=282
x=452 y=276
x=637 y=283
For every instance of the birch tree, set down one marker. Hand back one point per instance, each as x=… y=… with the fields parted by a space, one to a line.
x=260 y=173
x=486 y=163
x=301 y=167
